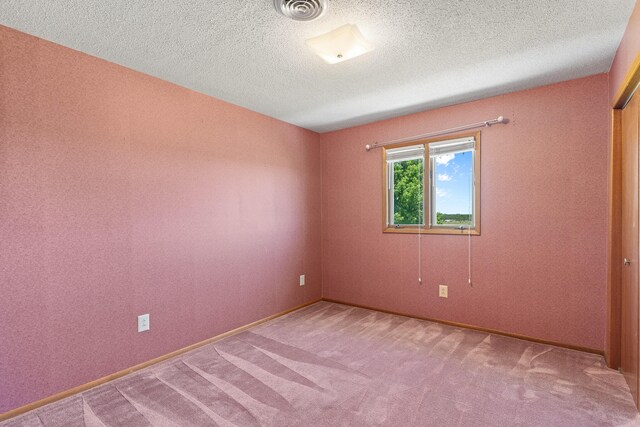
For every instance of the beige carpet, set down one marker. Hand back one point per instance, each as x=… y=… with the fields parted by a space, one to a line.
x=333 y=365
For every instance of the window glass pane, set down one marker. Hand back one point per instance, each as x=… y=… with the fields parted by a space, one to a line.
x=453 y=189
x=408 y=192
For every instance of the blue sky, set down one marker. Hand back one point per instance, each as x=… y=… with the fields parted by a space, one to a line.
x=453 y=174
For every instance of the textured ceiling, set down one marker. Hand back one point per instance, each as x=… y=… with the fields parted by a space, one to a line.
x=429 y=53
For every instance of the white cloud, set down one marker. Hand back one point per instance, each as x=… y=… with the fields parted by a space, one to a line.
x=440 y=192
x=444 y=177
x=444 y=159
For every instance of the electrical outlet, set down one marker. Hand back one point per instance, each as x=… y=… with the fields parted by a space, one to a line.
x=444 y=291
x=143 y=323
x=302 y=280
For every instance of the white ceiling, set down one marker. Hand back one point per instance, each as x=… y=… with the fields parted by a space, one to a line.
x=429 y=53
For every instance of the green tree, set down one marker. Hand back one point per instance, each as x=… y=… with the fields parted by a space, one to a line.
x=408 y=192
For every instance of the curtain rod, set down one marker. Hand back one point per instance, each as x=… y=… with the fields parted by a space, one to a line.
x=486 y=123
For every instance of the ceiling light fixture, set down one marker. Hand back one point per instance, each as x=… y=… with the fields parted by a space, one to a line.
x=343 y=43
x=301 y=10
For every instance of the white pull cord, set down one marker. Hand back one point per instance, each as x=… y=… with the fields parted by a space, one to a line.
x=471 y=215
x=419 y=257
x=469 y=234
x=420 y=231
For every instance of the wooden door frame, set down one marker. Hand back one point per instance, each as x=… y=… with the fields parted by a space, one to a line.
x=614 y=239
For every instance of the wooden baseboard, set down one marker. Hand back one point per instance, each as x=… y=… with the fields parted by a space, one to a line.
x=475 y=328
x=79 y=389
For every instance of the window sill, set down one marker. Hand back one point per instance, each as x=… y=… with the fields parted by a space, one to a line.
x=443 y=230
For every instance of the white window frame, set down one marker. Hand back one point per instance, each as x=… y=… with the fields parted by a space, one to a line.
x=451 y=146
x=397 y=155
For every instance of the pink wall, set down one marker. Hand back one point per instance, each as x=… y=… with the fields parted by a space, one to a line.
x=121 y=194
x=627 y=52
x=539 y=266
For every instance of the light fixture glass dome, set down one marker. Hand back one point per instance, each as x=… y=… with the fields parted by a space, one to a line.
x=343 y=43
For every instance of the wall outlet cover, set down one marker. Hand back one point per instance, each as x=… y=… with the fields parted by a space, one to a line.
x=302 y=280
x=443 y=291
x=143 y=323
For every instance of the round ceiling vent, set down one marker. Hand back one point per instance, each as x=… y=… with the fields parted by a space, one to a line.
x=301 y=10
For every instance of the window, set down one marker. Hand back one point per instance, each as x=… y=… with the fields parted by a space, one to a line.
x=406 y=186
x=433 y=186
